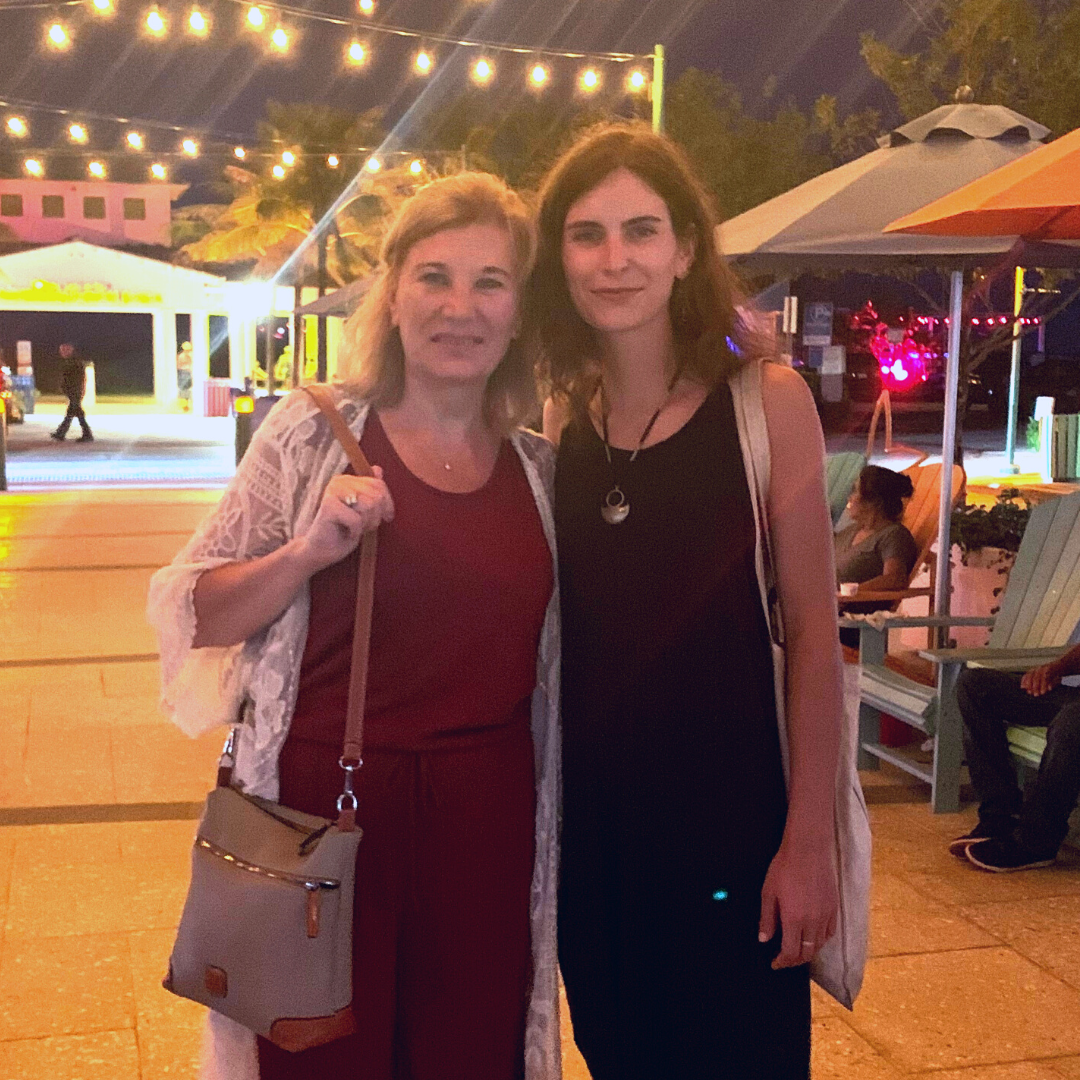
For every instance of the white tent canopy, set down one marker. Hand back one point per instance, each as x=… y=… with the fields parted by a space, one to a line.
x=77 y=276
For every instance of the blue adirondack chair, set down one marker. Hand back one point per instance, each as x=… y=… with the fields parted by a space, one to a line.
x=841 y=472
x=1040 y=609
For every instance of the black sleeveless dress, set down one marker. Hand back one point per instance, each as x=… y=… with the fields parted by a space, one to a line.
x=674 y=800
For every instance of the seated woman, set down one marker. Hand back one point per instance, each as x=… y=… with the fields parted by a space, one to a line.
x=875 y=551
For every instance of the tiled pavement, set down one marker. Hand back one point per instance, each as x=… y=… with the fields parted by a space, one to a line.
x=972 y=976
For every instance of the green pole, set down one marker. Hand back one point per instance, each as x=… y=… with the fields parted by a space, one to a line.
x=658 y=89
x=1014 y=377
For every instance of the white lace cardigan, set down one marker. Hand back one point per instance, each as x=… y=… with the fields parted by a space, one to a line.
x=273 y=498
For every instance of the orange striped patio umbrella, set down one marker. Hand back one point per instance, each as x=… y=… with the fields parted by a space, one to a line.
x=1036 y=196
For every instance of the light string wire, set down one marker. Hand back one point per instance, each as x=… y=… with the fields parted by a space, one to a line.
x=368 y=27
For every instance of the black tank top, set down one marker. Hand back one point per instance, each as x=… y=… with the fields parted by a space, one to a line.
x=667 y=670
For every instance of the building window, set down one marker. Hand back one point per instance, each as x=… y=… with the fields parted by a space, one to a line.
x=134 y=209
x=52 y=205
x=10 y=206
x=93 y=206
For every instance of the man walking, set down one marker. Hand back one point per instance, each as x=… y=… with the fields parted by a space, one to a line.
x=1020 y=832
x=73 y=386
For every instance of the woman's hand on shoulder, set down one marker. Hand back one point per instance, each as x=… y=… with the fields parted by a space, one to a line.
x=350 y=507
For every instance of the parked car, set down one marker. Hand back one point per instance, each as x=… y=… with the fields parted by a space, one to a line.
x=12 y=402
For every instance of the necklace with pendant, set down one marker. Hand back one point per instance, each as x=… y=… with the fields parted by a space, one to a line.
x=615 y=508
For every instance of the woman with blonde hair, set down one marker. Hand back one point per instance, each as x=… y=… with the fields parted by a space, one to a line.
x=696 y=886
x=454 y=953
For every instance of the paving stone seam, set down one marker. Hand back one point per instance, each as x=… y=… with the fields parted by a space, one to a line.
x=75 y=661
x=94 y=813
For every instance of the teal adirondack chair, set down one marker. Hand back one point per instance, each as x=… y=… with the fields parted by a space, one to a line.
x=841 y=472
x=1040 y=609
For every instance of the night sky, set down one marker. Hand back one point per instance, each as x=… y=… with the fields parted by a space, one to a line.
x=221 y=84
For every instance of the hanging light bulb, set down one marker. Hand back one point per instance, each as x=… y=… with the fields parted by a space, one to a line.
x=16 y=127
x=416 y=167
x=33 y=166
x=356 y=53
x=279 y=39
x=135 y=140
x=539 y=75
x=367 y=6
x=239 y=153
x=373 y=164
x=256 y=19
x=155 y=23
x=288 y=158
x=333 y=161
x=190 y=147
x=483 y=71
x=77 y=133
x=590 y=80
x=158 y=171
x=636 y=81
x=198 y=23
x=103 y=7
x=423 y=62
x=58 y=36
x=96 y=169
x=279 y=172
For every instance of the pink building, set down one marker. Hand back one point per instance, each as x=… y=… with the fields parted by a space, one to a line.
x=100 y=211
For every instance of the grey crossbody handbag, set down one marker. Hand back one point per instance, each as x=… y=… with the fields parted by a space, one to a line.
x=266 y=933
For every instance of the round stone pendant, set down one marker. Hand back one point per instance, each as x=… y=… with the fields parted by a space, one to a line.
x=615 y=507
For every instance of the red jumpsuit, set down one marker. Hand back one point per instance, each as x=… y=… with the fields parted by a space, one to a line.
x=441 y=943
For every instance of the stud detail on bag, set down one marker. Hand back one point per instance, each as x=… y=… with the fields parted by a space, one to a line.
x=216 y=982
x=314 y=896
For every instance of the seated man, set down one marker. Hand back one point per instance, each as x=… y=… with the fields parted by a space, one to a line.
x=1020 y=832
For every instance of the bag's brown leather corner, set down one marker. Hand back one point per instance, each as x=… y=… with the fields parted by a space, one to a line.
x=167 y=982
x=302 y=1034
x=216 y=981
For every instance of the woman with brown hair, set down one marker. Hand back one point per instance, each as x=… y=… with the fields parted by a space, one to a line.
x=695 y=886
x=454 y=971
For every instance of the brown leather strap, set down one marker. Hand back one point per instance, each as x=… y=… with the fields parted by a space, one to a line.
x=365 y=587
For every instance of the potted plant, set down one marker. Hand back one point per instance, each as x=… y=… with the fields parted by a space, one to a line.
x=985 y=543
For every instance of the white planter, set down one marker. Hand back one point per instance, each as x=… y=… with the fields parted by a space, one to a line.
x=977 y=589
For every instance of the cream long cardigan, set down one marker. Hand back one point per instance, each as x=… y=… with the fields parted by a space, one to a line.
x=274 y=497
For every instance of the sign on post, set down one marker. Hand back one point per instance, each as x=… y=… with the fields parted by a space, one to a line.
x=817 y=324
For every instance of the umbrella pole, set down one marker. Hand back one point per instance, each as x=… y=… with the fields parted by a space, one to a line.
x=1014 y=377
x=948 y=444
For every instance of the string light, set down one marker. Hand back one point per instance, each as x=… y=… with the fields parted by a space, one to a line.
x=33 y=167
x=158 y=171
x=135 y=140
x=357 y=53
x=590 y=80
x=423 y=62
x=190 y=147
x=198 y=23
x=279 y=172
x=96 y=169
x=255 y=18
x=416 y=167
x=239 y=153
x=367 y=6
x=636 y=81
x=155 y=23
x=373 y=165
x=103 y=7
x=539 y=75
x=280 y=40
x=58 y=36
x=17 y=127
x=483 y=71
x=288 y=158
x=77 y=133
x=333 y=161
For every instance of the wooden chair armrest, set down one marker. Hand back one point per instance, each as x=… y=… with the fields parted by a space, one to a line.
x=996 y=659
x=902 y=622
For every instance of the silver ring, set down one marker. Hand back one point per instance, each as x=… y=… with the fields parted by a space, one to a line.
x=349 y=500
x=807 y=944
